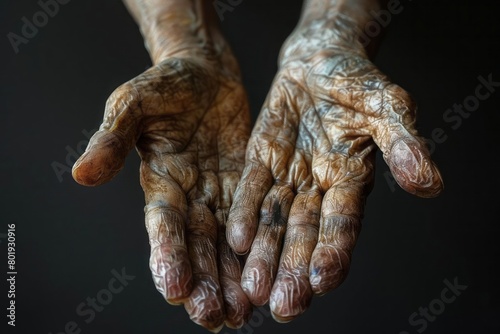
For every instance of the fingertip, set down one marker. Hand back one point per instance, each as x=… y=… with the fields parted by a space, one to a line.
x=256 y=281
x=217 y=329
x=280 y=319
x=240 y=231
x=238 y=307
x=176 y=302
x=414 y=170
x=103 y=159
x=205 y=306
x=427 y=189
x=238 y=239
x=328 y=269
x=290 y=298
x=171 y=272
x=237 y=323
x=178 y=294
x=85 y=173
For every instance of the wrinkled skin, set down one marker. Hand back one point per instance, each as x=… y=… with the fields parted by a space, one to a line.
x=295 y=209
x=310 y=167
x=189 y=120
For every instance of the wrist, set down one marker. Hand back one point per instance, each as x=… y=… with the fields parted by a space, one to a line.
x=329 y=25
x=177 y=28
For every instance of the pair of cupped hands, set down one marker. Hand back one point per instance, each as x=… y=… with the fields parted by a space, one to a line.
x=240 y=217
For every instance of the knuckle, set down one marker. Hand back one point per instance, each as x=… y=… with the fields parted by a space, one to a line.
x=125 y=94
x=400 y=104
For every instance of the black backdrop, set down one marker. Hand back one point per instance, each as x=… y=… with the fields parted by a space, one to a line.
x=71 y=240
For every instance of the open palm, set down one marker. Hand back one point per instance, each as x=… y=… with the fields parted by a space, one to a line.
x=189 y=122
x=309 y=169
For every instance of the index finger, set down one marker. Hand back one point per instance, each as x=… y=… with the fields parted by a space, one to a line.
x=166 y=215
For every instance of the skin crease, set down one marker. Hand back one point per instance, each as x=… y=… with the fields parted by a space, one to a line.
x=188 y=118
x=311 y=156
x=290 y=194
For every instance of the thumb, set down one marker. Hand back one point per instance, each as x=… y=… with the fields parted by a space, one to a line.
x=403 y=149
x=108 y=148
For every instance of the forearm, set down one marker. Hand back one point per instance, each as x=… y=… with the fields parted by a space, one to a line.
x=331 y=23
x=176 y=27
x=358 y=11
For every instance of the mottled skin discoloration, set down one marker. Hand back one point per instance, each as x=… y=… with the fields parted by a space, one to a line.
x=188 y=118
x=312 y=151
x=292 y=199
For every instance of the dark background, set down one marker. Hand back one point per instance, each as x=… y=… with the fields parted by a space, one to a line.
x=69 y=238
